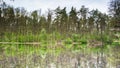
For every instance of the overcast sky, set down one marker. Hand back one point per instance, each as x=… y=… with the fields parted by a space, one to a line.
x=30 y=5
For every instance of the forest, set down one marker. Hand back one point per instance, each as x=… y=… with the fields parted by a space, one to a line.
x=13 y=19
x=81 y=38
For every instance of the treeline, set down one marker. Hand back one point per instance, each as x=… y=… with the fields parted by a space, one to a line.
x=77 y=21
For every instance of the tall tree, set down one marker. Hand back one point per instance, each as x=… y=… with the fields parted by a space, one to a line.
x=49 y=20
x=73 y=18
x=83 y=16
x=114 y=10
x=90 y=23
x=43 y=22
x=56 y=22
x=61 y=19
x=96 y=15
x=64 y=19
x=0 y=13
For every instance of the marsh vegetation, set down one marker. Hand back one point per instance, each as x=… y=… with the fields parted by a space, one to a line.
x=77 y=39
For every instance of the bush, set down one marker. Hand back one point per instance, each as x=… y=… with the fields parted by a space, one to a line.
x=76 y=38
x=68 y=41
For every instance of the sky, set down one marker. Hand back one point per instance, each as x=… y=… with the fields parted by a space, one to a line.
x=44 y=5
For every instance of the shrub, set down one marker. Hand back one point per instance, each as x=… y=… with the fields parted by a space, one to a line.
x=68 y=41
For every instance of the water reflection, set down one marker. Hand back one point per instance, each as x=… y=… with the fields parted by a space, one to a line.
x=64 y=59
